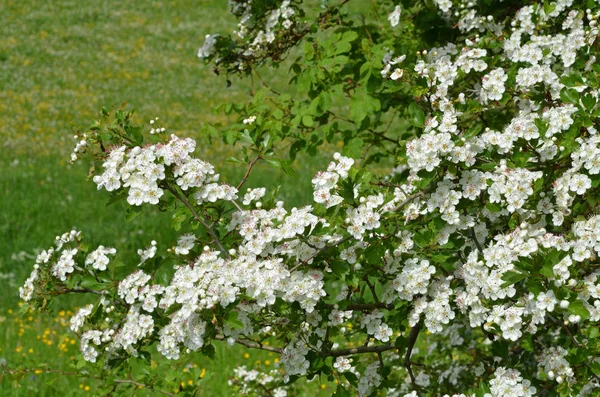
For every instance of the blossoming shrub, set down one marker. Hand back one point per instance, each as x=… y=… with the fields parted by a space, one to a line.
x=451 y=248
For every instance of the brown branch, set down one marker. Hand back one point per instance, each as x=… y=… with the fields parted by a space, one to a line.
x=265 y=84
x=474 y=236
x=359 y=350
x=364 y=306
x=409 y=199
x=198 y=219
x=80 y=291
x=412 y=339
x=252 y=344
x=250 y=166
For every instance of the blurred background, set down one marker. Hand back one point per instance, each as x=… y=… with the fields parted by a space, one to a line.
x=60 y=62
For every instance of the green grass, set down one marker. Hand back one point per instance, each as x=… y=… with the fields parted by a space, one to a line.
x=60 y=62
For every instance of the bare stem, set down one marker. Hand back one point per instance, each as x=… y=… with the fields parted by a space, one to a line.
x=250 y=166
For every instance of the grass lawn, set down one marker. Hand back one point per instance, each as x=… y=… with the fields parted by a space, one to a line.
x=60 y=62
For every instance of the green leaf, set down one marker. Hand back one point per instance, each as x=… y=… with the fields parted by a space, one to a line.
x=511 y=278
x=232 y=320
x=353 y=379
x=358 y=110
x=246 y=138
x=578 y=308
x=132 y=212
x=135 y=134
x=588 y=101
x=340 y=391
x=416 y=115
x=493 y=207
x=570 y=96
x=353 y=148
x=362 y=104
x=573 y=79
x=527 y=342
x=423 y=238
x=179 y=217
x=145 y=357
x=307 y=120
x=340 y=268
x=208 y=351
x=374 y=253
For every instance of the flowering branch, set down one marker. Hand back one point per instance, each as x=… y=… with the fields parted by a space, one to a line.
x=198 y=219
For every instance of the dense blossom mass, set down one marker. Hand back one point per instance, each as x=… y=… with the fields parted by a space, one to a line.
x=468 y=270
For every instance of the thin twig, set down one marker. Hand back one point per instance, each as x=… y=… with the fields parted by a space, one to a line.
x=253 y=344
x=198 y=219
x=359 y=350
x=250 y=166
x=409 y=199
x=265 y=84
x=365 y=306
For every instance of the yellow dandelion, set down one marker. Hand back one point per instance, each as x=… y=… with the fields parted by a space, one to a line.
x=202 y=373
x=246 y=355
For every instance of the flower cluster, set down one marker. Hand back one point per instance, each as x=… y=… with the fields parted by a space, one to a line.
x=260 y=32
x=509 y=383
x=481 y=242
x=254 y=381
x=326 y=181
x=99 y=258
